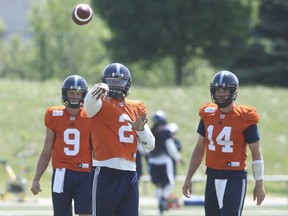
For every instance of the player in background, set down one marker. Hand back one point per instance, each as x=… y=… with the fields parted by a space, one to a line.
x=161 y=159
x=225 y=130
x=68 y=142
x=174 y=128
x=122 y=124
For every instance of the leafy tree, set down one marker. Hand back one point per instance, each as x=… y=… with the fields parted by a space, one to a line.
x=14 y=58
x=266 y=59
x=181 y=30
x=58 y=47
x=64 y=48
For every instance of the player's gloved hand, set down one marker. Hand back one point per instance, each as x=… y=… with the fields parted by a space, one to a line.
x=99 y=90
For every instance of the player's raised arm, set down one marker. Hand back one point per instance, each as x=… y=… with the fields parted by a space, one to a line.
x=92 y=101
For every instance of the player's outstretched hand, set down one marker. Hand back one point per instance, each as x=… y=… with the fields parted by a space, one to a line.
x=139 y=122
x=99 y=90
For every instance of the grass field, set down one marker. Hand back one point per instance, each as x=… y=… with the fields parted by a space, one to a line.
x=148 y=207
x=24 y=104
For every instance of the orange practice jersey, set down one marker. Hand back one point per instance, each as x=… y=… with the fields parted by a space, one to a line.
x=226 y=148
x=112 y=136
x=72 y=146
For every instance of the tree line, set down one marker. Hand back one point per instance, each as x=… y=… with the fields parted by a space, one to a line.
x=162 y=41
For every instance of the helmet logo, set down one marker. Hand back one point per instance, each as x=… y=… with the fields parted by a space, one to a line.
x=118 y=78
x=117 y=74
x=118 y=71
x=223 y=85
x=221 y=79
x=75 y=87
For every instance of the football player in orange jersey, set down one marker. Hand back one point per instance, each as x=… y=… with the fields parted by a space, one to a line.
x=118 y=125
x=68 y=141
x=225 y=130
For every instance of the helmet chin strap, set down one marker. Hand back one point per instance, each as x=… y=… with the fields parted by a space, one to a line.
x=223 y=105
x=117 y=94
x=74 y=105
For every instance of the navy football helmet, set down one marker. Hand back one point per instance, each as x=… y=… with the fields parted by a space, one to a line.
x=159 y=118
x=74 y=82
x=225 y=80
x=117 y=76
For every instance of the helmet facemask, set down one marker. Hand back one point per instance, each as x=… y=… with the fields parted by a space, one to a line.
x=75 y=83
x=225 y=80
x=72 y=103
x=117 y=76
x=118 y=87
x=222 y=101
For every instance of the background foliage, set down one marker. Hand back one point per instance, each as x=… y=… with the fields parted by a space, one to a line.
x=266 y=58
x=181 y=30
x=164 y=42
x=58 y=47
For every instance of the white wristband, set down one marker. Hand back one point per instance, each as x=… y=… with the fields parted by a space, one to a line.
x=258 y=169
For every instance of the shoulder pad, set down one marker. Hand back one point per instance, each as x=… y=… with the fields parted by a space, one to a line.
x=248 y=113
x=137 y=103
x=207 y=109
x=56 y=110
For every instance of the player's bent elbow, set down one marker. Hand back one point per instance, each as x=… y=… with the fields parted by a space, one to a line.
x=92 y=107
x=148 y=146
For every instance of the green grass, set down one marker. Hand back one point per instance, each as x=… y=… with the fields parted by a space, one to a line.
x=24 y=104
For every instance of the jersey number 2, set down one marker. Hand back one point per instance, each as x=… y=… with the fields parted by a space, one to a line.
x=125 y=128
x=223 y=139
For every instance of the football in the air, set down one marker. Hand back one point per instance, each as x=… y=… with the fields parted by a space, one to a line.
x=82 y=14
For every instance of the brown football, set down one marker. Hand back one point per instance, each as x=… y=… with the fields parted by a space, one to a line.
x=82 y=14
